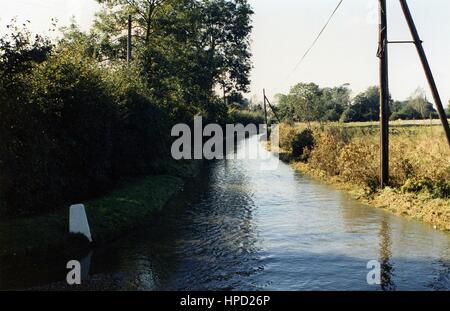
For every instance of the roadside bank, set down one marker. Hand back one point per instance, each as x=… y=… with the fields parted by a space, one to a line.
x=347 y=157
x=421 y=206
x=130 y=205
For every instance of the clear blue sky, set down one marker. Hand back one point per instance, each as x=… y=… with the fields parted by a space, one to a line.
x=285 y=28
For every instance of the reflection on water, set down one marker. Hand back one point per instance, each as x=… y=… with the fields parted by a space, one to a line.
x=238 y=227
x=85 y=263
x=387 y=269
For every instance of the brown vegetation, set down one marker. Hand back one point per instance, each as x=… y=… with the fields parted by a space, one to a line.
x=348 y=156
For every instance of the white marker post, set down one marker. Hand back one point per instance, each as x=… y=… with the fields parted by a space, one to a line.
x=78 y=222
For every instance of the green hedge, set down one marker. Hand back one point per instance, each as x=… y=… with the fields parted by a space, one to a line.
x=72 y=131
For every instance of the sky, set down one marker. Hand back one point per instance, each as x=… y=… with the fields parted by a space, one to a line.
x=284 y=29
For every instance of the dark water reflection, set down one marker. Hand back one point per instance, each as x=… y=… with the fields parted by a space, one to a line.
x=238 y=227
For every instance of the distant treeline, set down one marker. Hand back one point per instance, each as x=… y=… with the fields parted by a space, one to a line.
x=75 y=118
x=309 y=102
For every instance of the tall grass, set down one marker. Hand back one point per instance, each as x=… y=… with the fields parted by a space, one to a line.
x=419 y=156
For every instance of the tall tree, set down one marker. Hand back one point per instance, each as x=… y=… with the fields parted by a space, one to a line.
x=418 y=101
x=186 y=49
x=112 y=19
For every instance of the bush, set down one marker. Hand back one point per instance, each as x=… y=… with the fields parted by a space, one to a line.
x=64 y=148
x=287 y=134
x=302 y=144
x=354 y=167
x=245 y=117
x=21 y=132
x=140 y=136
x=438 y=189
x=73 y=132
x=442 y=189
x=75 y=118
x=414 y=185
x=349 y=115
x=418 y=162
x=328 y=144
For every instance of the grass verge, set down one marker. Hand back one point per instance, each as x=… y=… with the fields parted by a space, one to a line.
x=130 y=205
x=420 y=206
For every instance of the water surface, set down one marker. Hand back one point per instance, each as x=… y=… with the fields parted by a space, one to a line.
x=238 y=227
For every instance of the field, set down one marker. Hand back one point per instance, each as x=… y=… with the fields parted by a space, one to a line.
x=347 y=155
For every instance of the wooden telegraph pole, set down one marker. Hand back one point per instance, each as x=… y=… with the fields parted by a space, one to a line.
x=129 y=42
x=384 y=94
x=267 y=102
x=265 y=109
x=426 y=67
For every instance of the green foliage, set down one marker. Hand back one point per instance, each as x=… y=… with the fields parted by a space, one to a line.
x=437 y=188
x=62 y=148
x=302 y=143
x=403 y=111
x=20 y=51
x=130 y=205
x=349 y=115
x=75 y=119
x=309 y=102
x=416 y=107
x=367 y=105
x=21 y=133
x=246 y=117
x=185 y=49
x=69 y=129
x=441 y=189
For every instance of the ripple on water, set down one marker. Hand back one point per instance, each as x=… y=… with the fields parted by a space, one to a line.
x=241 y=228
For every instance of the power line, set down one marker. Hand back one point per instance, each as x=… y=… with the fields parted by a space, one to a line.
x=317 y=38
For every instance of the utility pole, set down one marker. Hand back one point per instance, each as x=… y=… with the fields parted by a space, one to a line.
x=265 y=108
x=384 y=94
x=426 y=67
x=272 y=108
x=129 y=47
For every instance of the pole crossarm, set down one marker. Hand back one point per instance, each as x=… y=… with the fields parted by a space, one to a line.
x=402 y=42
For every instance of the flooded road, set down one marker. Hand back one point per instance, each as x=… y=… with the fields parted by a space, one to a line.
x=238 y=227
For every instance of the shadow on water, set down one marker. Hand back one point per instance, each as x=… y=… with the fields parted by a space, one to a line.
x=387 y=269
x=237 y=227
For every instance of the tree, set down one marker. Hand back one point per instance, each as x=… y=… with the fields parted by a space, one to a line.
x=185 y=48
x=20 y=50
x=309 y=102
x=415 y=108
x=112 y=19
x=349 y=115
x=306 y=102
x=75 y=118
x=225 y=37
x=336 y=100
x=285 y=108
x=366 y=105
x=418 y=101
